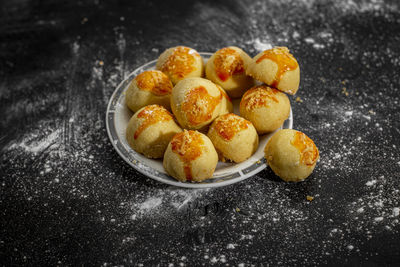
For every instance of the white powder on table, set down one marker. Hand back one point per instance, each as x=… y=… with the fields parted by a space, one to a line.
x=31 y=144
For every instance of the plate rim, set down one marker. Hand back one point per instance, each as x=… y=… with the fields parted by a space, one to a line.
x=177 y=183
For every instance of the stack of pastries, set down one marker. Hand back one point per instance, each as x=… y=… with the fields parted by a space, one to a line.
x=183 y=112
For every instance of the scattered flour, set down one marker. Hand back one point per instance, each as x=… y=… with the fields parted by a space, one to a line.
x=261 y=45
x=309 y=40
x=31 y=145
x=231 y=246
x=75 y=47
x=121 y=44
x=396 y=212
x=150 y=204
x=375 y=209
x=163 y=202
x=348 y=113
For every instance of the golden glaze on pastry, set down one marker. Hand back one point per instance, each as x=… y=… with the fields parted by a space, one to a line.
x=149 y=87
x=266 y=107
x=154 y=81
x=277 y=68
x=226 y=68
x=234 y=137
x=190 y=156
x=199 y=105
x=291 y=154
x=196 y=102
x=150 y=129
x=180 y=62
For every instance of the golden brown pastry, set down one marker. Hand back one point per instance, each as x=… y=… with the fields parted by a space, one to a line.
x=234 y=138
x=190 y=156
x=195 y=102
x=150 y=129
x=149 y=87
x=291 y=154
x=277 y=68
x=180 y=62
x=266 y=107
x=226 y=68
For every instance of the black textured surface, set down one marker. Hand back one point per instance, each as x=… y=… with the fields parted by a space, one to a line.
x=67 y=198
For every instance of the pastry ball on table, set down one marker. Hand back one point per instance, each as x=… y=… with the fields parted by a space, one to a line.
x=190 y=156
x=277 y=68
x=266 y=107
x=149 y=87
x=226 y=68
x=234 y=138
x=195 y=102
x=291 y=154
x=150 y=129
x=226 y=102
x=180 y=62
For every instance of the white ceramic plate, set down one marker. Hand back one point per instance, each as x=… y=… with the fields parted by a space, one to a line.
x=117 y=119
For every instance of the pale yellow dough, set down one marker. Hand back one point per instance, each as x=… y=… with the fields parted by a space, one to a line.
x=149 y=87
x=291 y=155
x=226 y=68
x=226 y=102
x=266 y=107
x=150 y=129
x=196 y=102
x=190 y=156
x=234 y=137
x=180 y=62
x=277 y=68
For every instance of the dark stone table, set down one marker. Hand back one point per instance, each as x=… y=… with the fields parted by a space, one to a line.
x=67 y=198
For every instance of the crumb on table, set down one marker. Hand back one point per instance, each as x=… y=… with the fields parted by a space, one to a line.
x=344 y=91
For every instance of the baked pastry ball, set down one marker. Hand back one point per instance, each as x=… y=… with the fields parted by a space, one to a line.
x=226 y=102
x=234 y=138
x=149 y=87
x=180 y=62
x=226 y=68
x=190 y=156
x=266 y=107
x=291 y=154
x=195 y=102
x=277 y=68
x=150 y=129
